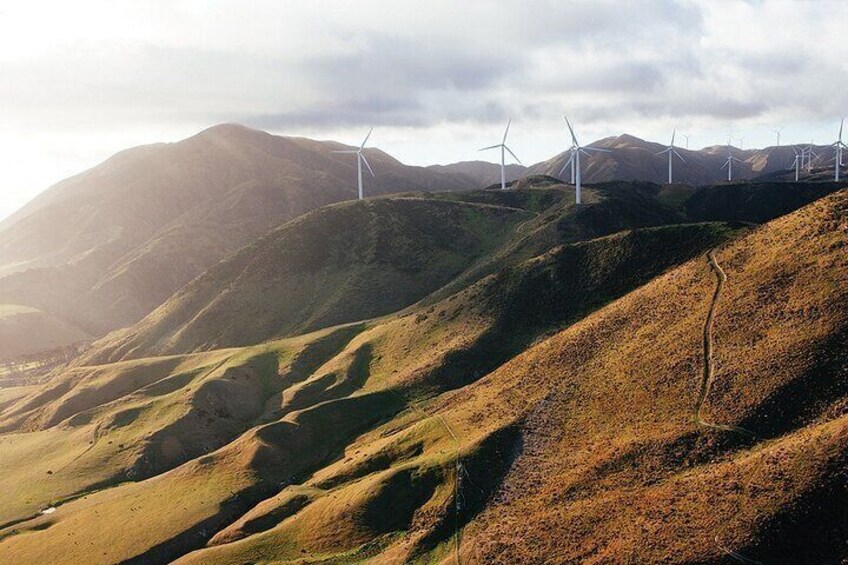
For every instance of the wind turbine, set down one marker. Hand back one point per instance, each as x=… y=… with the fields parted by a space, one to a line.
x=360 y=158
x=810 y=155
x=777 y=132
x=839 y=145
x=671 y=153
x=502 y=146
x=687 y=139
x=729 y=162
x=576 y=150
x=799 y=159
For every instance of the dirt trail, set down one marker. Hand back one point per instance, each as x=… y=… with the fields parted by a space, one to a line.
x=707 y=377
x=706 y=381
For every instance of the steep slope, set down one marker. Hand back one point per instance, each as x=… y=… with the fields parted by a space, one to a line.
x=102 y=249
x=614 y=466
x=340 y=264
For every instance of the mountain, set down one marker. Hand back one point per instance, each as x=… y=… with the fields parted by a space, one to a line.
x=102 y=249
x=661 y=393
x=632 y=158
x=482 y=172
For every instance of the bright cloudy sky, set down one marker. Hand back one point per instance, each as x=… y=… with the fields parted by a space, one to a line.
x=83 y=79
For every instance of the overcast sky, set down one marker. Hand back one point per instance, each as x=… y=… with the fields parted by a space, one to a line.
x=82 y=80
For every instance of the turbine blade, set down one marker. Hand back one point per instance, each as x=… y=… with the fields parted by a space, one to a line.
x=841 y=123
x=345 y=151
x=364 y=160
x=513 y=154
x=596 y=149
x=679 y=156
x=506 y=131
x=570 y=161
x=673 y=133
x=725 y=163
x=663 y=151
x=490 y=147
x=364 y=141
x=571 y=129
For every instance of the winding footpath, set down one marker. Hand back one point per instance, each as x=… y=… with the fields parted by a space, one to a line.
x=706 y=381
x=707 y=377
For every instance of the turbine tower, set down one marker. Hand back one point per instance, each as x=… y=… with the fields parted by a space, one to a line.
x=672 y=152
x=360 y=158
x=729 y=163
x=574 y=160
x=502 y=146
x=799 y=159
x=839 y=146
x=777 y=133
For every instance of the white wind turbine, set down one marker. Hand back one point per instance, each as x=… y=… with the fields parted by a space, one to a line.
x=729 y=162
x=574 y=160
x=799 y=160
x=672 y=152
x=502 y=146
x=687 y=139
x=839 y=146
x=777 y=133
x=360 y=158
x=810 y=155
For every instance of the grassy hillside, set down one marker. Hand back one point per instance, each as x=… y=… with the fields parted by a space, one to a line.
x=344 y=384
x=343 y=263
x=560 y=408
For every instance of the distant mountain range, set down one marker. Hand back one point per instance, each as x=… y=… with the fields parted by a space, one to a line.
x=101 y=250
x=631 y=158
